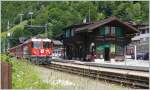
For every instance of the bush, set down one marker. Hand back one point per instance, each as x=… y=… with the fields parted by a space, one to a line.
x=25 y=75
x=5 y=58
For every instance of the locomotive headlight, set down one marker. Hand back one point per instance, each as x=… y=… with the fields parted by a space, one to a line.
x=42 y=50
x=47 y=51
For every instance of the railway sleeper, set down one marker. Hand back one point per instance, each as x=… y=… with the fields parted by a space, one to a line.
x=108 y=77
x=125 y=77
x=119 y=75
x=95 y=72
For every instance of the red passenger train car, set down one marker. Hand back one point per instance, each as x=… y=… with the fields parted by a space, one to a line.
x=37 y=50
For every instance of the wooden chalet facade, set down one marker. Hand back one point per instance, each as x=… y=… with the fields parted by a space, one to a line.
x=105 y=39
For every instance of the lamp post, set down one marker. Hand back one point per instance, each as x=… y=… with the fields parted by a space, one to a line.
x=31 y=13
x=21 y=17
x=135 y=55
x=4 y=46
x=125 y=52
x=8 y=35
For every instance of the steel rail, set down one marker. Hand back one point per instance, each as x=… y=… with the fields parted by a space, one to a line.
x=121 y=78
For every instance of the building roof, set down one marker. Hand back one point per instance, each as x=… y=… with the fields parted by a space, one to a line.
x=77 y=25
x=144 y=27
x=147 y=35
x=57 y=42
x=110 y=20
x=41 y=39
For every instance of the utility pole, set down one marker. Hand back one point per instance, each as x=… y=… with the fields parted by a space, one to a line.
x=4 y=46
x=125 y=52
x=8 y=36
x=135 y=52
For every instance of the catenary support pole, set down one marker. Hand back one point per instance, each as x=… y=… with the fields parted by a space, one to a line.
x=135 y=54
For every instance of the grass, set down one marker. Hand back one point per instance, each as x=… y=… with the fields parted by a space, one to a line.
x=25 y=75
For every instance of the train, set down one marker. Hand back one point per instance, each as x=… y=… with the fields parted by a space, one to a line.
x=37 y=50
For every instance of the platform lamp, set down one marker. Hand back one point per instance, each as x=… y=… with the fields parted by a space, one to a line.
x=135 y=53
x=31 y=13
x=125 y=52
x=21 y=17
x=8 y=36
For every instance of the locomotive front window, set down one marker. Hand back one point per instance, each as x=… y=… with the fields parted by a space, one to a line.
x=36 y=44
x=46 y=45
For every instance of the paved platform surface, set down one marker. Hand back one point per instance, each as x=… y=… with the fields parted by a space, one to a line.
x=129 y=64
x=113 y=70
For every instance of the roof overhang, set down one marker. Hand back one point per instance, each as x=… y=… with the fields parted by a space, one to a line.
x=39 y=39
x=56 y=42
x=110 y=20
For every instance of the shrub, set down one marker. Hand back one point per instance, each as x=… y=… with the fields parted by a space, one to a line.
x=25 y=75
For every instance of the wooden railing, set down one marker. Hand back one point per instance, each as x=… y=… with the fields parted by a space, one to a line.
x=5 y=75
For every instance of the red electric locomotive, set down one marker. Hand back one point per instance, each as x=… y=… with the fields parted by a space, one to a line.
x=37 y=50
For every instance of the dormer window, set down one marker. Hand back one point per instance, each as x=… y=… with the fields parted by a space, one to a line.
x=72 y=32
x=67 y=33
x=108 y=31
x=112 y=31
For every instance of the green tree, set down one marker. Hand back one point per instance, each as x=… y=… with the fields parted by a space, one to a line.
x=62 y=14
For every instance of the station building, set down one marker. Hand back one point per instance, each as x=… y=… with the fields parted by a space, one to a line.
x=140 y=43
x=105 y=39
x=141 y=40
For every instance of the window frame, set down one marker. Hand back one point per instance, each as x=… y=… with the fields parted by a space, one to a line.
x=113 y=31
x=72 y=32
x=107 y=28
x=39 y=44
x=46 y=45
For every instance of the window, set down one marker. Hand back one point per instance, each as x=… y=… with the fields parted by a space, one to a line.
x=67 y=33
x=112 y=48
x=119 y=50
x=36 y=44
x=119 y=31
x=102 y=31
x=72 y=32
x=46 y=44
x=112 y=30
x=147 y=30
x=137 y=34
x=143 y=32
x=107 y=30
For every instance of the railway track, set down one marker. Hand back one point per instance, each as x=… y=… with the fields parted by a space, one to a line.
x=134 y=79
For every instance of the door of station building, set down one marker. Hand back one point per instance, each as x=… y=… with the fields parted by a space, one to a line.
x=107 y=53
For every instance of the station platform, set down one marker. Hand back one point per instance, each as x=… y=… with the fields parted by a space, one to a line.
x=129 y=64
x=129 y=75
x=140 y=73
